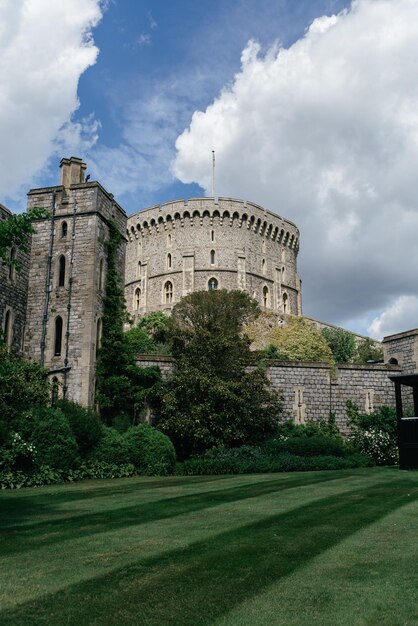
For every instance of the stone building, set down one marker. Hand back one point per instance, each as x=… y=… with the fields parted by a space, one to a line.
x=13 y=292
x=180 y=247
x=61 y=287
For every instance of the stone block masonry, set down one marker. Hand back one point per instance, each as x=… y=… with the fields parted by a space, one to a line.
x=309 y=392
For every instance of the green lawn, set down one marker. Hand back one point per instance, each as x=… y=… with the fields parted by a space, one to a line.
x=306 y=548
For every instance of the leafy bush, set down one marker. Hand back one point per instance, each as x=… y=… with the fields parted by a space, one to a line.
x=368 y=350
x=84 y=423
x=49 y=431
x=315 y=445
x=111 y=449
x=150 y=451
x=45 y=475
x=374 y=433
x=18 y=455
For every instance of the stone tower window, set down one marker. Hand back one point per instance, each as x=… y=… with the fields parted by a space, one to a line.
x=263 y=266
x=212 y=257
x=168 y=292
x=61 y=271
x=213 y=284
x=64 y=230
x=139 y=269
x=263 y=246
x=137 y=302
x=265 y=297
x=285 y=302
x=58 y=336
x=169 y=261
x=212 y=235
x=8 y=329
x=99 y=334
x=169 y=239
x=12 y=267
x=101 y=274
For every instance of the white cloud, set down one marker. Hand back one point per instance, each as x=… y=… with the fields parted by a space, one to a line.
x=401 y=315
x=44 y=48
x=326 y=134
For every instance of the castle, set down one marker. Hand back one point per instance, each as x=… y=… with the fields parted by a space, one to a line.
x=51 y=310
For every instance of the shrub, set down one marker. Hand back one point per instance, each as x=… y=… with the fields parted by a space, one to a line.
x=18 y=455
x=49 y=431
x=374 y=433
x=283 y=462
x=84 y=423
x=111 y=449
x=150 y=451
x=315 y=445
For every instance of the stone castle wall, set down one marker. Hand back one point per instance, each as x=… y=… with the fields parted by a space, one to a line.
x=177 y=248
x=13 y=294
x=310 y=393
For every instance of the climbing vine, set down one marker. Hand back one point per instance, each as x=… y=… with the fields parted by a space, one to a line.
x=121 y=388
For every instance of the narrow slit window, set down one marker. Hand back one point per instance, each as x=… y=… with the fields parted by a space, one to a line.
x=8 y=334
x=101 y=274
x=58 y=336
x=61 y=271
x=212 y=257
x=169 y=261
x=64 y=230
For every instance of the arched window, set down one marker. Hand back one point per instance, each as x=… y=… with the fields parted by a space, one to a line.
x=101 y=274
x=12 y=266
x=168 y=292
x=265 y=297
x=139 y=269
x=137 y=302
x=8 y=328
x=98 y=334
x=54 y=391
x=64 y=230
x=285 y=302
x=169 y=239
x=212 y=235
x=169 y=261
x=58 y=336
x=212 y=257
x=263 y=266
x=61 y=271
x=213 y=284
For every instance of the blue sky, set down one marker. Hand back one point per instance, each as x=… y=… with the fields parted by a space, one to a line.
x=310 y=106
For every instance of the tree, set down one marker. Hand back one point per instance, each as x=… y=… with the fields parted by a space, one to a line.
x=300 y=340
x=23 y=385
x=368 y=350
x=122 y=387
x=212 y=399
x=16 y=231
x=341 y=342
x=150 y=335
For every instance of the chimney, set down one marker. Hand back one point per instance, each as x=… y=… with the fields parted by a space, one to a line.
x=72 y=171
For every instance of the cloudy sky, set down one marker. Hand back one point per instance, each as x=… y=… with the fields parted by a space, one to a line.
x=310 y=105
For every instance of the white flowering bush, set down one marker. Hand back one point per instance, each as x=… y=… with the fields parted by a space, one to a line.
x=374 y=433
x=377 y=444
x=18 y=454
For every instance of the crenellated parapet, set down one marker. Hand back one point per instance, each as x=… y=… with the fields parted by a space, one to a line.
x=229 y=211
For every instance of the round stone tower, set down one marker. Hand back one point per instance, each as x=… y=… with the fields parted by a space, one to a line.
x=180 y=247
